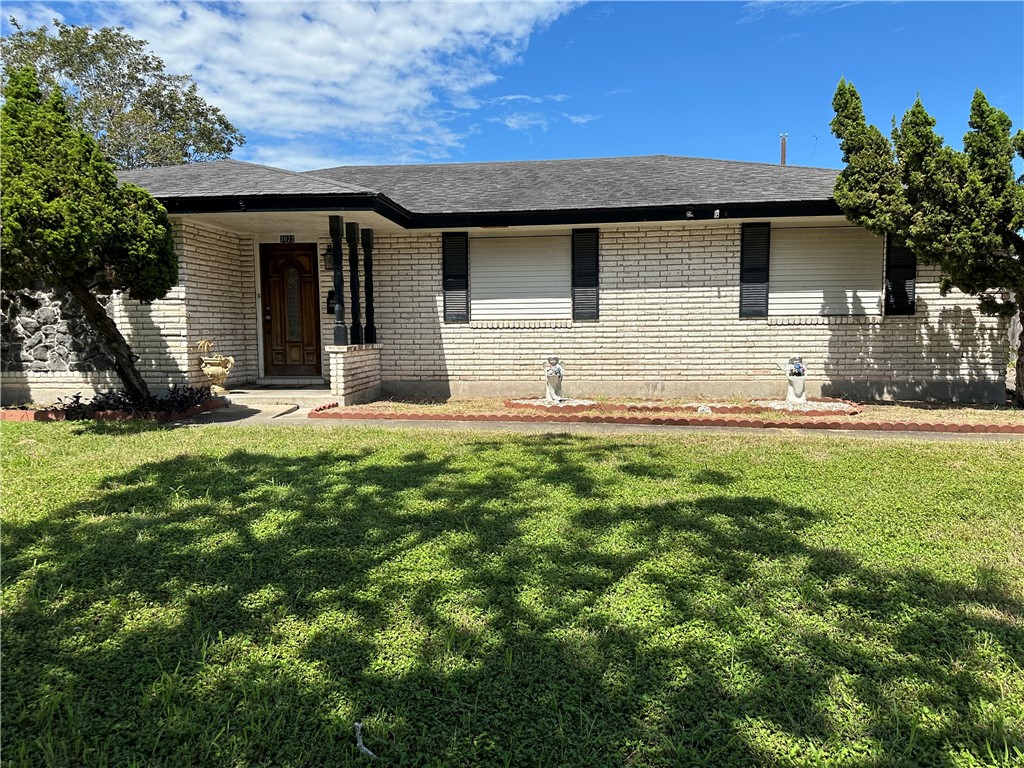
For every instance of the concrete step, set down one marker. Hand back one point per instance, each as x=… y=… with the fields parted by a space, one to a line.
x=304 y=397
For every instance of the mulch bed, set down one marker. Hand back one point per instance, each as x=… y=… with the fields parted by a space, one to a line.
x=624 y=414
x=20 y=414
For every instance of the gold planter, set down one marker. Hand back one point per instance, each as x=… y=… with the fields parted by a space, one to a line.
x=216 y=367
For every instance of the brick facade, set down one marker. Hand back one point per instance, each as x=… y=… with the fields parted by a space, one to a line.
x=669 y=326
x=355 y=372
x=215 y=299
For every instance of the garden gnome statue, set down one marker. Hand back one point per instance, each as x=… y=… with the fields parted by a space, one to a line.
x=553 y=373
x=796 y=375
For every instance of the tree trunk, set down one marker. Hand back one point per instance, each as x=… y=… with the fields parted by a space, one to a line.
x=1018 y=390
x=124 y=360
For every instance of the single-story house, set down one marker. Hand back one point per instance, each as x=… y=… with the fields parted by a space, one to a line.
x=651 y=276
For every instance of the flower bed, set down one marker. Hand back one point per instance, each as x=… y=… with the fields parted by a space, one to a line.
x=826 y=407
x=50 y=414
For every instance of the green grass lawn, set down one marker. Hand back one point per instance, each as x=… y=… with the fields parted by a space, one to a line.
x=241 y=596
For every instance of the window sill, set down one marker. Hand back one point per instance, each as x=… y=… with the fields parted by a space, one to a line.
x=515 y=324
x=825 y=320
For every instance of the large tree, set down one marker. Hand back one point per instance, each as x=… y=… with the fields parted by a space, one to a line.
x=960 y=210
x=140 y=115
x=68 y=224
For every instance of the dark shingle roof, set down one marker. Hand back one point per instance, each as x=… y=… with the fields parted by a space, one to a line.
x=230 y=178
x=615 y=182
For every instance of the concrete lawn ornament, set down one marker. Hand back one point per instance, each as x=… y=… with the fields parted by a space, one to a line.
x=216 y=367
x=796 y=375
x=553 y=373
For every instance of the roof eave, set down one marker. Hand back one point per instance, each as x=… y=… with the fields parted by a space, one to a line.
x=384 y=206
x=572 y=216
x=375 y=202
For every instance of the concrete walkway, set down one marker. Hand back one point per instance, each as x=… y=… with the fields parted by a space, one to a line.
x=294 y=415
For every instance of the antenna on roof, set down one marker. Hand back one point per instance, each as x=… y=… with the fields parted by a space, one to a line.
x=782 y=141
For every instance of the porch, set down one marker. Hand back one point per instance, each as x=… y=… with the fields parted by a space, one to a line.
x=291 y=298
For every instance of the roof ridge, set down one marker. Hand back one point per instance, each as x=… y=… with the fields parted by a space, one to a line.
x=317 y=171
x=340 y=185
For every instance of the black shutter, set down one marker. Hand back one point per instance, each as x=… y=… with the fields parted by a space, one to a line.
x=584 y=274
x=455 y=269
x=755 y=245
x=900 y=278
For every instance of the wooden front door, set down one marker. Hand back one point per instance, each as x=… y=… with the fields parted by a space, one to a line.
x=291 y=320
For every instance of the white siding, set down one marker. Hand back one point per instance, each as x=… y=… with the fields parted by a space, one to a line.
x=825 y=271
x=520 y=278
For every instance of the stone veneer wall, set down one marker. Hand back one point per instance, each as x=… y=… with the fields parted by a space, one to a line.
x=669 y=326
x=44 y=336
x=216 y=282
x=355 y=372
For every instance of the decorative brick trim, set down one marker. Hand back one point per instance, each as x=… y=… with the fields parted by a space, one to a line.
x=327 y=412
x=518 y=324
x=826 y=320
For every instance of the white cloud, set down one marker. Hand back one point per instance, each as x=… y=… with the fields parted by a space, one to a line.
x=522 y=121
x=379 y=80
x=580 y=119
x=758 y=9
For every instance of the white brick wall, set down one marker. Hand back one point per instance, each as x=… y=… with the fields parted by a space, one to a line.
x=669 y=326
x=215 y=299
x=355 y=372
x=219 y=278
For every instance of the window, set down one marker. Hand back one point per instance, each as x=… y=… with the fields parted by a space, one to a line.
x=520 y=278
x=546 y=277
x=900 y=279
x=808 y=270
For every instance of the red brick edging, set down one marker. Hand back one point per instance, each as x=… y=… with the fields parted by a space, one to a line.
x=327 y=412
x=58 y=415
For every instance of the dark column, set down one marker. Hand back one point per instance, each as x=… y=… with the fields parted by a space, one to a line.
x=337 y=252
x=352 y=236
x=370 y=334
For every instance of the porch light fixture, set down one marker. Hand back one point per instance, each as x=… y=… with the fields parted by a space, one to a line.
x=327 y=257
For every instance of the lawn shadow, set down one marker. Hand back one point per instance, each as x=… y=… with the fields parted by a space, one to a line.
x=505 y=605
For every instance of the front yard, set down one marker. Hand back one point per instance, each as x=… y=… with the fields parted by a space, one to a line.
x=242 y=596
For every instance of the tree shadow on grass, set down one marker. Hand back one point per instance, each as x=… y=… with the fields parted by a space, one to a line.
x=507 y=605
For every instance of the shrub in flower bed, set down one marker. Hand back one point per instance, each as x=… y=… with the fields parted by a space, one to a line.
x=179 y=402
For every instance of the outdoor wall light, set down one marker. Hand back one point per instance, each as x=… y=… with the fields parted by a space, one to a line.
x=327 y=257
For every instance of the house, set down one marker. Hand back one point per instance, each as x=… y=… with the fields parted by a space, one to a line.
x=650 y=276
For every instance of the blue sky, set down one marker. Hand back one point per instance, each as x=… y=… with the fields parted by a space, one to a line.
x=319 y=84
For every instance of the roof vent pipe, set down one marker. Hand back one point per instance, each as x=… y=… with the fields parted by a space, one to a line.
x=782 y=141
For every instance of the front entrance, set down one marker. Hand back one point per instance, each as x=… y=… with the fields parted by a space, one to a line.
x=291 y=318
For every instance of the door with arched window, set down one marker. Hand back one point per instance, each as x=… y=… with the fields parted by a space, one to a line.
x=289 y=302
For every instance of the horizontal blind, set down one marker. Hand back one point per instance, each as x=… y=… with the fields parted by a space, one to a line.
x=833 y=271
x=520 y=278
